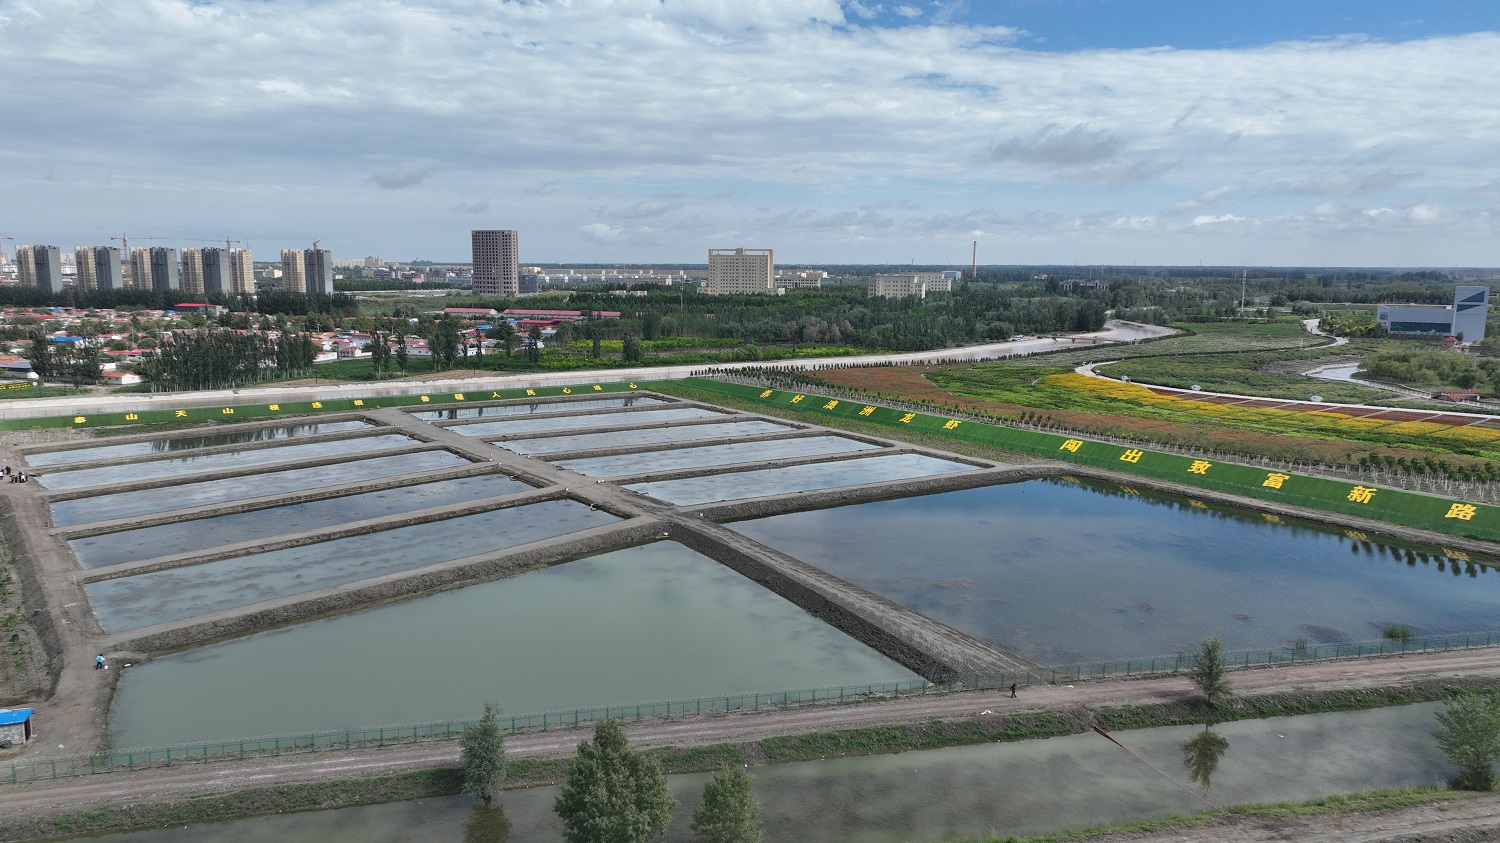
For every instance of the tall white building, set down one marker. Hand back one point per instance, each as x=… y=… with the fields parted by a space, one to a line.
x=897 y=285
x=241 y=271
x=140 y=268
x=192 y=272
x=741 y=271
x=40 y=266
x=497 y=268
x=293 y=271
x=99 y=268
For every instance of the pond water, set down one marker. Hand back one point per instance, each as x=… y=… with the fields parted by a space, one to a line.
x=183 y=536
x=107 y=507
x=538 y=407
x=648 y=623
x=654 y=436
x=187 y=443
x=225 y=461
x=1061 y=573
x=641 y=417
x=711 y=455
x=1022 y=788
x=797 y=478
x=160 y=596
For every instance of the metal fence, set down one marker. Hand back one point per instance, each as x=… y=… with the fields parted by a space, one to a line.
x=263 y=747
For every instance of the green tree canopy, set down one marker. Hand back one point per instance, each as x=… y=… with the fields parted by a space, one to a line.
x=483 y=755
x=1469 y=733
x=1209 y=673
x=612 y=794
x=729 y=810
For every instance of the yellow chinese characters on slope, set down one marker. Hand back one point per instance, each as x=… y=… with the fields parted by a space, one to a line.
x=1274 y=480
x=767 y=393
x=1362 y=494
x=1132 y=455
x=952 y=424
x=1071 y=446
x=906 y=419
x=830 y=405
x=1200 y=467
x=866 y=410
x=1462 y=511
x=797 y=399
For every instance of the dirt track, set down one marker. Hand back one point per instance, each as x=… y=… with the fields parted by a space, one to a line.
x=17 y=802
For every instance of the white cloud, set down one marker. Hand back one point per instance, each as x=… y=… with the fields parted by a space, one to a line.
x=909 y=12
x=269 y=119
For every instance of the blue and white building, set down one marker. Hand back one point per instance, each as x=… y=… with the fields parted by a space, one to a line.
x=1463 y=319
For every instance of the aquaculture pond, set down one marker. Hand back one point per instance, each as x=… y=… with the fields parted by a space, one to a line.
x=1023 y=788
x=549 y=423
x=536 y=407
x=183 y=536
x=797 y=478
x=188 y=443
x=653 y=436
x=657 y=622
x=204 y=492
x=176 y=593
x=713 y=455
x=224 y=461
x=1062 y=572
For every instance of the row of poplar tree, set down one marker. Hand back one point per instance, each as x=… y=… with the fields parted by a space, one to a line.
x=612 y=794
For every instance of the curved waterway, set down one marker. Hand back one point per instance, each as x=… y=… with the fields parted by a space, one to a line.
x=1061 y=572
x=1023 y=788
x=657 y=622
x=188 y=443
x=204 y=492
x=202 y=534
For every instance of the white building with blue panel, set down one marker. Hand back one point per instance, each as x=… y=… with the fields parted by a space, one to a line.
x=1463 y=319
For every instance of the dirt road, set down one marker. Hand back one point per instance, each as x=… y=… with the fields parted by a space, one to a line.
x=51 y=797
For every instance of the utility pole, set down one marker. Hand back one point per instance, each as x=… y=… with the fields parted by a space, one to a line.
x=974 y=263
x=1244 y=274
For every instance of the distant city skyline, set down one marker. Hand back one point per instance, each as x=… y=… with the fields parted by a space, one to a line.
x=1149 y=132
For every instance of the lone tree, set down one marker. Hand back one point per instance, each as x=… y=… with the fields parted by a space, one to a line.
x=1208 y=671
x=483 y=755
x=1469 y=733
x=613 y=795
x=728 y=813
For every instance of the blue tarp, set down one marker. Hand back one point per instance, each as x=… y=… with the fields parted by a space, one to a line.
x=12 y=716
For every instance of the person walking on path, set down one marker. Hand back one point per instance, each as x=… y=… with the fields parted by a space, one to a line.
x=99 y=662
x=1012 y=690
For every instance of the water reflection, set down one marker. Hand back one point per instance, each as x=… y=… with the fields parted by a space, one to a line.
x=188 y=443
x=487 y=824
x=1065 y=572
x=453 y=413
x=1201 y=754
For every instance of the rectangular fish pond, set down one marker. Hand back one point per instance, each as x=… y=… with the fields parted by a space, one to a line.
x=714 y=455
x=82 y=478
x=797 y=478
x=1062 y=573
x=656 y=622
x=204 y=533
x=204 y=492
x=550 y=423
x=536 y=407
x=652 y=436
x=188 y=443
x=145 y=599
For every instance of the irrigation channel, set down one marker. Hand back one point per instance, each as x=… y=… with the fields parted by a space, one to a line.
x=393 y=566
x=1021 y=788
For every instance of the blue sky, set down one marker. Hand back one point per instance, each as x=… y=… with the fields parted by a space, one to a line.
x=1050 y=131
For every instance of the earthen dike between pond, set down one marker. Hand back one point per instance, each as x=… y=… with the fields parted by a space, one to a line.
x=74 y=715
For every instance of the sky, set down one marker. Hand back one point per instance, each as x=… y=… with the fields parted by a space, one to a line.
x=1149 y=132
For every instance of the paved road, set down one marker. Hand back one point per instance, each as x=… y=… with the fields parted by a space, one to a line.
x=85 y=404
x=1479 y=665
